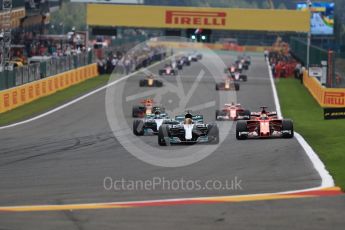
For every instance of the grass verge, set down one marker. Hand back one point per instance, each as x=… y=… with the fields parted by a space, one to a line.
x=46 y=103
x=327 y=137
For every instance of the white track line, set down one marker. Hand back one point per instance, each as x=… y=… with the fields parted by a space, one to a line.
x=326 y=178
x=78 y=99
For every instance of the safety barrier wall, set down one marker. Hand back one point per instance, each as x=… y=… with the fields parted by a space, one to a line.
x=214 y=46
x=326 y=97
x=18 y=96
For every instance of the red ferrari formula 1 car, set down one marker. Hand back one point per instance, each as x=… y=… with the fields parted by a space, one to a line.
x=232 y=112
x=147 y=107
x=232 y=69
x=168 y=70
x=228 y=84
x=264 y=125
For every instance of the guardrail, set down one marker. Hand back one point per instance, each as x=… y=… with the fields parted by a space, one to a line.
x=326 y=97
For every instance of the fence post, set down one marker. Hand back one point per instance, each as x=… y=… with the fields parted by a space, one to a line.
x=75 y=62
x=11 y=80
x=18 y=74
x=89 y=57
x=2 y=80
x=331 y=69
x=43 y=69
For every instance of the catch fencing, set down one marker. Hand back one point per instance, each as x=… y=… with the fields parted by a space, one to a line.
x=36 y=71
x=335 y=61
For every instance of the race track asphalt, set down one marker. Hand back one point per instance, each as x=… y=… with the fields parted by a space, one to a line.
x=64 y=158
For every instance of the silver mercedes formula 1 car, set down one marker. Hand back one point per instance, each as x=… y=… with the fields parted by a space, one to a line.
x=188 y=129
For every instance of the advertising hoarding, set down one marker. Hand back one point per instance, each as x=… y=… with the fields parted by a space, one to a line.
x=322 y=17
x=197 y=17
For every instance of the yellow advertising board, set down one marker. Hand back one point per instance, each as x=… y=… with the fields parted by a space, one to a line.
x=191 y=17
x=213 y=46
x=17 y=96
x=326 y=97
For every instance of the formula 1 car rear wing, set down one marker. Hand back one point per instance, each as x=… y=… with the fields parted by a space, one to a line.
x=258 y=114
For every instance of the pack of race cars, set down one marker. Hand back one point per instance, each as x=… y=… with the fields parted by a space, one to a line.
x=182 y=129
x=235 y=72
x=190 y=128
x=172 y=68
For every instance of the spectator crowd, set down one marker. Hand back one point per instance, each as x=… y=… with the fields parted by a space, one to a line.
x=126 y=62
x=30 y=44
x=282 y=63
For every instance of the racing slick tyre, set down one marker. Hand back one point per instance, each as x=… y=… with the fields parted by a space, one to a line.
x=161 y=72
x=138 y=128
x=213 y=134
x=217 y=87
x=136 y=111
x=142 y=83
x=241 y=127
x=218 y=113
x=158 y=83
x=162 y=134
x=244 y=77
x=247 y=114
x=237 y=86
x=287 y=126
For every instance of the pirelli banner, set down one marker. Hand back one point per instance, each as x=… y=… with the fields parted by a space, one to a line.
x=191 y=17
x=326 y=97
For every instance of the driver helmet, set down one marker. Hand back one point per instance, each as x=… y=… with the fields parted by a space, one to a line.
x=264 y=116
x=157 y=113
x=188 y=119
